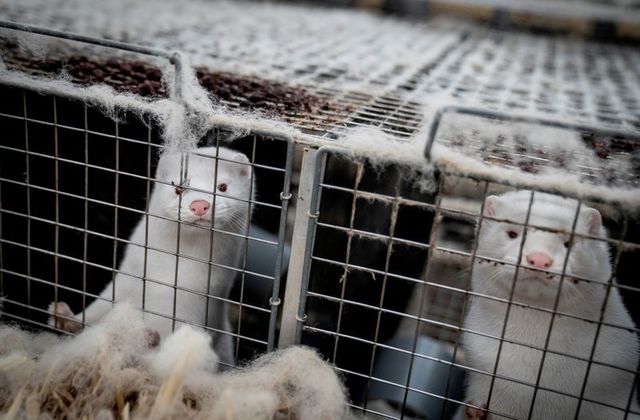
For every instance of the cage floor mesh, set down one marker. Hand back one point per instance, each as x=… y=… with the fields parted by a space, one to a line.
x=345 y=69
x=594 y=159
x=552 y=77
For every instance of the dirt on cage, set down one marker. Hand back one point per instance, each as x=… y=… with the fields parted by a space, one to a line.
x=109 y=371
x=255 y=93
x=132 y=76
x=605 y=146
x=144 y=79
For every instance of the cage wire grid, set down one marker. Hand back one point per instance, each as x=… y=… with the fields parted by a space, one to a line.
x=466 y=65
x=31 y=153
x=521 y=143
x=26 y=119
x=367 y=84
x=428 y=320
x=486 y=73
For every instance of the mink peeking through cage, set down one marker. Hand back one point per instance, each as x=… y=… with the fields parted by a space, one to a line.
x=66 y=226
x=206 y=189
x=546 y=332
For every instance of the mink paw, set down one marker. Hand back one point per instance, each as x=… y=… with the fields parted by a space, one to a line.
x=472 y=413
x=62 y=317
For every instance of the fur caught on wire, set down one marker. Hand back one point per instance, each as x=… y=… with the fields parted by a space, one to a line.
x=109 y=371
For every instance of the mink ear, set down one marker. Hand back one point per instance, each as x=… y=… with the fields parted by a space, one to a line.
x=490 y=205
x=594 y=220
x=162 y=170
x=245 y=170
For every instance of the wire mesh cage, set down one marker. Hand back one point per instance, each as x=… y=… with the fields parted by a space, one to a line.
x=407 y=297
x=481 y=264
x=75 y=184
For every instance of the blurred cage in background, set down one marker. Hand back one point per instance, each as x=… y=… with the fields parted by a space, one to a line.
x=378 y=278
x=599 y=19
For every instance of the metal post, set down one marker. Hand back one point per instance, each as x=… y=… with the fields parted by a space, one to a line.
x=288 y=324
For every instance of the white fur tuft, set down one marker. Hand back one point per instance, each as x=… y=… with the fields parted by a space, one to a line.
x=109 y=371
x=187 y=350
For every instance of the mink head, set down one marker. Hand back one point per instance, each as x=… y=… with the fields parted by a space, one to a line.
x=542 y=250
x=202 y=185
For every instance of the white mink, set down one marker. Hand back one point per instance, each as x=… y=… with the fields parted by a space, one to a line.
x=542 y=259
x=191 y=203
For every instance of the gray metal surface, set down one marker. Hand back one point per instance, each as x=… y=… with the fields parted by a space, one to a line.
x=289 y=323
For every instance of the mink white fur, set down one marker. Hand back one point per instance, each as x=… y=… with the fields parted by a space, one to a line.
x=173 y=223
x=588 y=259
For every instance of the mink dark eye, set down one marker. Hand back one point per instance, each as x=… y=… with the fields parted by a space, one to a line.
x=222 y=187
x=179 y=189
x=512 y=234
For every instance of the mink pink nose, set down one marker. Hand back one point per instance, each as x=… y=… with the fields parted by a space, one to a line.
x=539 y=260
x=199 y=207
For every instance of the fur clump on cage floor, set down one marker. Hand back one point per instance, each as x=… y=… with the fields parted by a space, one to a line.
x=109 y=371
